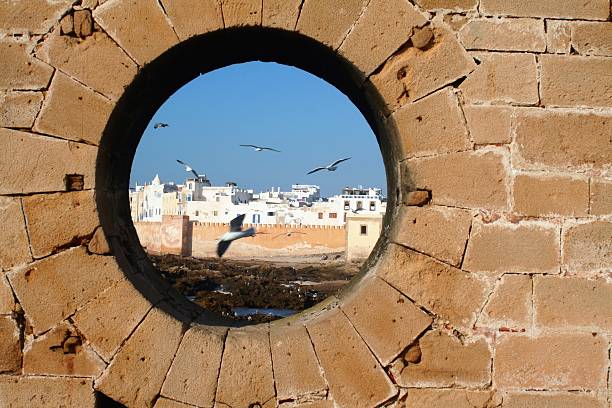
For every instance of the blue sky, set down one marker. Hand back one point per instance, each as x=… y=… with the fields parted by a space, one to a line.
x=266 y=104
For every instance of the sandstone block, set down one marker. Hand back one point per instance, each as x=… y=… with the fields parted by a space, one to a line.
x=416 y=198
x=448 y=4
x=489 y=124
x=601 y=197
x=558 y=37
x=545 y=196
x=439 y=232
x=372 y=386
x=10 y=347
x=576 y=81
x=422 y=37
x=592 y=38
x=168 y=403
x=522 y=34
x=281 y=13
x=52 y=289
x=553 y=362
x=448 y=292
x=551 y=400
x=136 y=374
x=99 y=244
x=18 y=70
x=510 y=304
x=14 y=244
x=530 y=247
x=316 y=404
x=31 y=16
x=7 y=300
x=503 y=78
x=592 y=10
x=466 y=179
x=123 y=21
x=193 y=17
x=46 y=392
x=83 y=23
x=241 y=12
x=431 y=126
x=19 y=109
x=433 y=398
x=588 y=247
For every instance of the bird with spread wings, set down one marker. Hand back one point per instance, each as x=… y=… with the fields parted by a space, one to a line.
x=329 y=167
x=188 y=168
x=260 y=148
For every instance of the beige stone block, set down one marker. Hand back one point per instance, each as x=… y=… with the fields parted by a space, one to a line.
x=503 y=78
x=448 y=292
x=509 y=305
x=10 y=347
x=553 y=362
x=30 y=163
x=14 y=244
x=65 y=392
x=576 y=81
x=237 y=13
x=550 y=195
x=439 y=232
x=193 y=375
x=194 y=17
x=382 y=28
x=489 y=124
x=99 y=244
x=136 y=374
x=588 y=247
x=440 y=398
x=591 y=10
x=448 y=4
x=19 y=109
x=592 y=38
x=74 y=112
x=168 y=403
x=551 y=400
x=431 y=126
x=52 y=289
x=296 y=369
x=416 y=198
x=413 y=73
x=281 y=13
x=506 y=34
x=529 y=247
x=340 y=364
x=31 y=16
x=601 y=197
x=140 y=27
x=7 y=299
x=329 y=22
x=563 y=139
x=316 y=404
x=18 y=70
x=558 y=37
x=466 y=179
x=246 y=376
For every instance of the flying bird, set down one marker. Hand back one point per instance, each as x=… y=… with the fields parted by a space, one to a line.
x=357 y=211
x=260 y=148
x=330 y=167
x=288 y=234
x=188 y=168
x=234 y=233
x=160 y=125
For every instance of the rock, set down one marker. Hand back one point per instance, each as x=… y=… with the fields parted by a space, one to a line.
x=83 y=23
x=67 y=25
x=422 y=37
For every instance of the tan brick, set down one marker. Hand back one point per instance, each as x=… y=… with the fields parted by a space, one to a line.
x=193 y=17
x=432 y=125
x=73 y=112
x=413 y=73
x=467 y=179
x=22 y=392
x=52 y=289
x=564 y=139
x=10 y=347
x=448 y=4
x=30 y=163
x=551 y=400
x=489 y=124
x=136 y=374
x=316 y=404
x=558 y=37
x=168 y=403
x=18 y=70
x=576 y=81
x=246 y=376
x=281 y=13
x=31 y=16
x=448 y=292
x=530 y=247
x=238 y=13
x=550 y=195
x=328 y=22
x=440 y=232
x=553 y=362
x=601 y=197
x=505 y=34
x=503 y=78
x=595 y=10
x=14 y=244
x=19 y=109
x=416 y=198
x=592 y=38
x=124 y=22
x=7 y=300
x=509 y=305
x=588 y=247
x=432 y=398
x=382 y=28
x=372 y=386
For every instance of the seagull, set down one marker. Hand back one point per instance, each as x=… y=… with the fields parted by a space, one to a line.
x=357 y=211
x=288 y=234
x=260 y=148
x=160 y=125
x=234 y=233
x=188 y=168
x=331 y=167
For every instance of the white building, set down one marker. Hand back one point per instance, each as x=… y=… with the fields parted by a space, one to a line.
x=146 y=202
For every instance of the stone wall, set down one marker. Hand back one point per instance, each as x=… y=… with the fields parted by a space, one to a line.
x=495 y=292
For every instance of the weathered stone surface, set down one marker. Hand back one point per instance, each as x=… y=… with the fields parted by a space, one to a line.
x=14 y=244
x=30 y=163
x=466 y=179
x=18 y=70
x=316 y=404
x=19 y=109
x=193 y=375
x=241 y=12
x=422 y=37
x=123 y=21
x=7 y=300
x=571 y=361
x=99 y=244
x=46 y=392
x=489 y=124
x=529 y=247
x=67 y=24
x=31 y=16
x=194 y=17
x=83 y=23
x=503 y=78
x=506 y=34
x=440 y=232
x=448 y=4
x=592 y=38
x=558 y=37
x=564 y=139
x=52 y=289
x=576 y=81
x=550 y=195
x=510 y=304
x=416 y=198
x=432 y=125
x=601 y=197
x=281 y=13
x=591 y=10
x=168 y=403
x=10 y=347
x=379 y=32
x=372 y=386
x=448 y=292
x=246 y=376
x=413 y=73
x=551 y=400
x=433 y=398
x=136 y=374
x=588 y=247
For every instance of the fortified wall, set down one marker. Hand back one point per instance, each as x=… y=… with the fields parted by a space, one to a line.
x=495 y=292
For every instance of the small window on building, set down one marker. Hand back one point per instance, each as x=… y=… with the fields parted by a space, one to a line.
x=347 y=205
x=320 y=216
x=217 y=199
x=372 y=205
x=270 y=214
x=333 y=215
x=197 y=213
x=215 y=213
x=360 y=205
x=364 y=230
